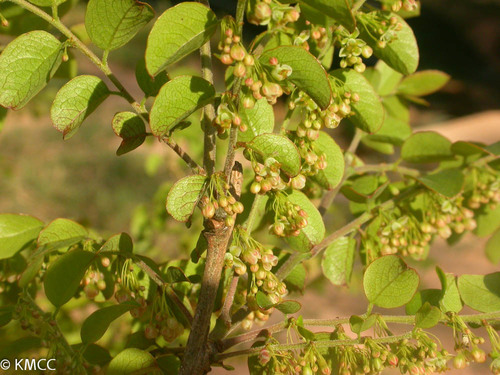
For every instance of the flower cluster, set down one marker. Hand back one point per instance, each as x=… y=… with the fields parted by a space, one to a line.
x=247 y=254
x=352 y=49
x=289 y=219
x=272 y=13
x=162 y=321
x=397 y=5
x=383 y=26
x=313 y=159
x=314 y=118
x=217 y=196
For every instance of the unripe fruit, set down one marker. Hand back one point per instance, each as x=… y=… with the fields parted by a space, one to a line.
x=255 y=187
x=460 y=362
x=238 y=53
x=226 y=59
x=240 y=70
x=263 y=12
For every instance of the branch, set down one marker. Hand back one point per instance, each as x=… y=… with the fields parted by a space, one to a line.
x=78 y=44
x=394 y=319
x=195 y=167
x=317 y=344
x=197 y=359
x=210 y=132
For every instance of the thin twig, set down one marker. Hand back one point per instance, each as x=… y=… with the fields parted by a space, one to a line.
x=225 y=315
x=196 y=168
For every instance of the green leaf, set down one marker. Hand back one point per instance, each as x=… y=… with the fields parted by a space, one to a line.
x=481 y=292
x=393 y=131
x=61 y=233
x=96 y=355
x=296 y=279
x=448 y=182
x=397 y=107
x=314 y=231
x=339 y=10
x=431 y=296
x=178 y=99
x=131 y=361
x=112 y=24
x=368 y=111
x=450 y=296
x=288 y=307
x=338 y=260
x=131 y=128
x=184 y=196
x=389 y=282
x=263 y=300
x=330 y=177
x=493 y=248
x=307 y=72
x=468 y=148
x=401 y=53
x=488 y=221
x=359 y=324
x=121 y=242
x=279 y=148
x=423 y=83
x=179 y=31
x=75 y=101
x=383 y=78
x=426 y=147
x=428 y=316
x=96 y=325
x=382 y=147
x=63 y=277
x=259 y=120
x=17 y=231
x=149 y=85
x=26 y=65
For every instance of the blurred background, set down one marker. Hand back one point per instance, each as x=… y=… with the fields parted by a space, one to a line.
x=83 y=179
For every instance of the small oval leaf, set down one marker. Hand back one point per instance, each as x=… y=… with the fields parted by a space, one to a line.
x=448 y=182
x=368 y=111
x=338 y=260
x=259 y=120
x=493 y=248
x=307 y=72
x=121 y=242
x=426 y=147
x=75 y=101
x=184 y=196
x=279 y=148
x=131 y=128
x=401 y=53
x=179 y=31
x=481 y=292
x=389 y=283
x=132 y=361
x=423 y=83
x=428 y=316
x=339 y=10
x=314 y=231
x=112 y=24
x=63 y=277
x=17 y=231
x=178 y=99
x=61 y=233
x=26 y=65
x=97 y=323
x=330 y=177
